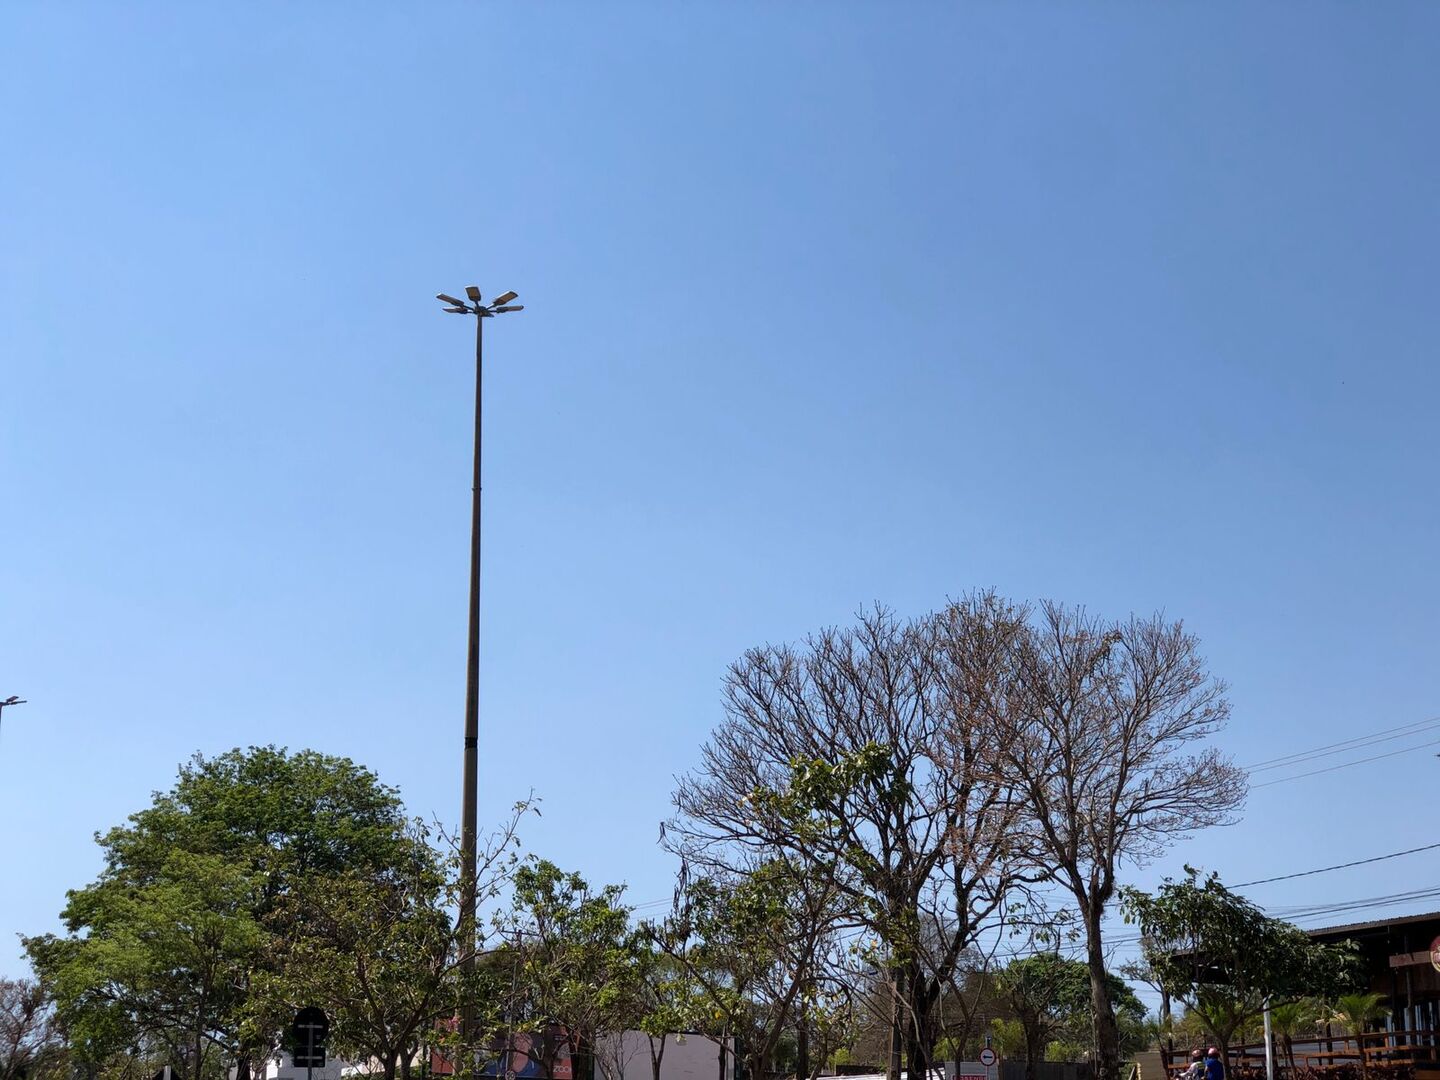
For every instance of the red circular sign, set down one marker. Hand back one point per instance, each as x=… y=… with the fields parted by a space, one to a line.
x=1435 y=953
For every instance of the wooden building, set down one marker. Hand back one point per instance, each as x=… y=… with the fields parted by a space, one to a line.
x=1402 y=964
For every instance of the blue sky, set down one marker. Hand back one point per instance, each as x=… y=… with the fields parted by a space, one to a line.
x=827 y=304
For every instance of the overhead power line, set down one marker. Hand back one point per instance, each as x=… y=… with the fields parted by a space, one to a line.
x=1337 y=866
x=1383 y=735
x=1348 y=764
x=1361 y=905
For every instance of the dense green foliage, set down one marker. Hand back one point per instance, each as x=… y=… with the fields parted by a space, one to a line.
x=264 y=880
x=1050 y=996
x=166 y=949
x=1224 y=957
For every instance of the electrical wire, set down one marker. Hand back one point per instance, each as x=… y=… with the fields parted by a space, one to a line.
x=1337 y=866
x=1347 y=764
x=1383 y=735
x=1427 y=893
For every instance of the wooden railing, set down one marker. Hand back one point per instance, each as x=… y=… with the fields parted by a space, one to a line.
x=1408 y=1047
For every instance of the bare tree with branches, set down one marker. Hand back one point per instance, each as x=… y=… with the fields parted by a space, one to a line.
x=30 y=1039
x=932 y=826
x=1103 y=722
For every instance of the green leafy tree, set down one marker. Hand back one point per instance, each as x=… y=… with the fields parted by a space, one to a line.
x=160 y=960
x=751 y=945
x=1223 y=957
x=668 y=998
x=1051 y=998
x=166 y=946
x=377 y=949
x=577 y=957
x=1045 y=991
x=1138 y=1029
x=376 y=952
x=1009 y=1039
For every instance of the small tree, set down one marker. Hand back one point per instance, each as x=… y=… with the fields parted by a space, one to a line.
x=752 y=948
x=1355 y=1013
x=30 y=1041
x=1051 y=999
x=577 y=957
x=668 y=998
x=378 y=950
x=1010 y=1040
x=1045 y=991
x=1225 y=958
x=1291 y=1018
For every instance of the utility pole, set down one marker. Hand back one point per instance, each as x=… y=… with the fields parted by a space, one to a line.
x=481 y=311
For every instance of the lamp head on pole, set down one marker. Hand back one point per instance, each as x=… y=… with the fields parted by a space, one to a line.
x=473 y=306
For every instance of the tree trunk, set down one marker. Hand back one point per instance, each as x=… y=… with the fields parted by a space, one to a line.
x=1106 y=1030
x=1221 y=1042
x=1167 y=1026
x=914 y=1066
x=387 y=1063
x=918 y=1047
x=1034 y=1049
x=897 y=976
x=656 y=1056
x=802 y=1052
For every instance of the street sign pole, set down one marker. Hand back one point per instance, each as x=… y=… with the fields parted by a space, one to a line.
x=308 y=1032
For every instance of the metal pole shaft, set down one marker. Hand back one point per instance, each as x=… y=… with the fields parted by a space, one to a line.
x=472 y=717
x=1269 y=1045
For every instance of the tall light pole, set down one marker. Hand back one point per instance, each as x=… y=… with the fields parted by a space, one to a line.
x=481 y=311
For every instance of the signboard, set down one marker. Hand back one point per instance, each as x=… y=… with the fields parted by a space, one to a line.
x=525 y=1055
x=1410 y=959
x=307 y=1038
x=987 y=1057
x=532 y=1055
x=1435 y=953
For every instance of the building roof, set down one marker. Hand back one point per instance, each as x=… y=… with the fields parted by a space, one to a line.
x=1376 y=924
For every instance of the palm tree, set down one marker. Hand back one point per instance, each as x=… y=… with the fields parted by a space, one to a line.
x=1354 y=1013
x=1289 y=1020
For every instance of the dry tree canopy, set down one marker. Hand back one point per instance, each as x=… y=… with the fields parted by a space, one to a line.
x=1018 y=745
